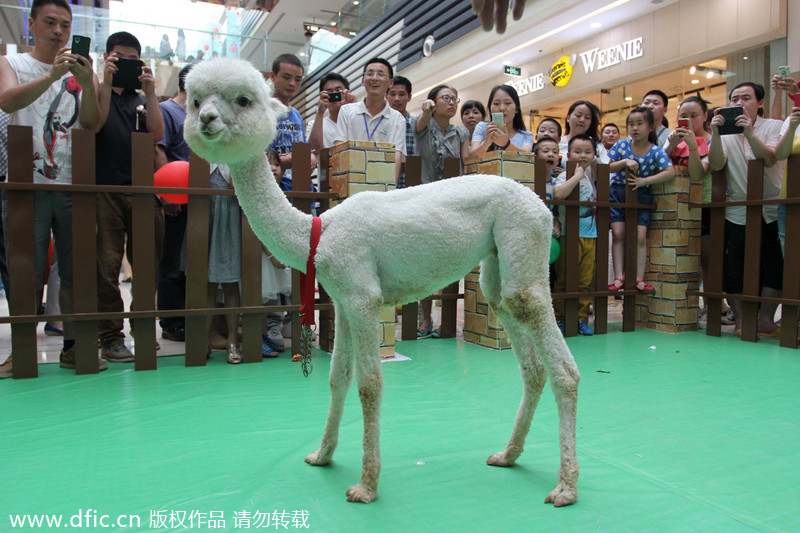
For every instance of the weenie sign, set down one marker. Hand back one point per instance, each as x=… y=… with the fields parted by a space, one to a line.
x=594 y=59
x=599 y=59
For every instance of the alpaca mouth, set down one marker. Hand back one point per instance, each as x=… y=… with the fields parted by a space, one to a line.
x=211 y=135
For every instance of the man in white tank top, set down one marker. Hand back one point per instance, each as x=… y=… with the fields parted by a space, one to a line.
x=53 y=91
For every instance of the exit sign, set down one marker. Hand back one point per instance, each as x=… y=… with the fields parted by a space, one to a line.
x=512 y=71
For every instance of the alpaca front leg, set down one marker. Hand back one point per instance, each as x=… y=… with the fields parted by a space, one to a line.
x=370 y=389
x=341 y=377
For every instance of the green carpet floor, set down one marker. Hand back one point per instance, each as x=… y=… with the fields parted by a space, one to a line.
x=675 y=433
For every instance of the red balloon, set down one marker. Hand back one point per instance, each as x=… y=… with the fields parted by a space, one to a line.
x=175 y=174
x=205 y=47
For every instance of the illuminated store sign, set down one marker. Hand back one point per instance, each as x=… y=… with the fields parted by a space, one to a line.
x=608 y=57
x=594 y=59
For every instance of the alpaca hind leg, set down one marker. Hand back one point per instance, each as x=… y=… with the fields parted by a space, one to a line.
x=534 y=377
x=341 y=377
x=530 y=366
x=532 y=307
x=364 y=324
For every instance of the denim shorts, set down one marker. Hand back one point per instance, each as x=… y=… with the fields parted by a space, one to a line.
x=644 y=196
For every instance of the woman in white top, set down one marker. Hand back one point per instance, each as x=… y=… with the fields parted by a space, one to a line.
x=583 y=118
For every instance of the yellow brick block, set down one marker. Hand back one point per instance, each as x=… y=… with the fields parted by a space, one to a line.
x=339 y=185
x=517 y=170
x=352 y=161
x=661 y=307
x=475 y=323
x=380 y=172
x=491 y=167
x=673 y=291
x=675 y=237
x=356 y=188
x=662 y=256
x=387 y=352
x=470 y=304
x=688 y=263
x=494 y=322
x=387 y=314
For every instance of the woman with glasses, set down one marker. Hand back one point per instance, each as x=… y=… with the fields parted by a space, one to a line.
x=508 y=134
x=437 y=139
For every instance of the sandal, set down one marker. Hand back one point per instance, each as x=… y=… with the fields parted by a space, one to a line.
x=424 y=334
x=269 y=348
x=234 y=354
x=614 y=287
x=644 y=288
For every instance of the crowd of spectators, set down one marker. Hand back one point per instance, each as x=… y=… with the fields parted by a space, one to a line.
x=55 y=90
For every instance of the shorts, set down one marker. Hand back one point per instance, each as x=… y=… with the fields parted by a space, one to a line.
x=644 y=196
x=771 y=257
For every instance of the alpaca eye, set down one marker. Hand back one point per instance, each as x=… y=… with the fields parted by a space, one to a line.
x=243 y=101
x=196 y=104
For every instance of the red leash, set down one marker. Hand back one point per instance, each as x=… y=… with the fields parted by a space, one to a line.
x=308 y=279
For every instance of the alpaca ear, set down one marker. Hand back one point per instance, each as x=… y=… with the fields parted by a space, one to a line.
x=279 y=109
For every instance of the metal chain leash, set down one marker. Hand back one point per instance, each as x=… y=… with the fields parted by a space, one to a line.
x=306 y=336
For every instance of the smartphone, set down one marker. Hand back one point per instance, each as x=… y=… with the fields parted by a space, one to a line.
x=730 y=114
x=683 y=123
x=127 y=75
x=335 y=97
x=80 y=45
x=784 y=72
x=497 y=118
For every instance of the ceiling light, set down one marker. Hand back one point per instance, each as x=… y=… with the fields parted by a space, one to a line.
x=333 y=23
x=745 y=58
x=353 y=33
x=710 y=74
x=695 y=82
x=302 y=54
x=628 y=98
x=693 y=69
x=356 y=2
x=595 y=25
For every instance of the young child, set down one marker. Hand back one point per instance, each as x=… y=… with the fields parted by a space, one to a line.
x=638 y=162
x=225 y=256
x=581 y=150
x=547 y=148
x=548 y=127
x=276 y=279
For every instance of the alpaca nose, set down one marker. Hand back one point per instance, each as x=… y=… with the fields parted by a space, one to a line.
x=208 y=113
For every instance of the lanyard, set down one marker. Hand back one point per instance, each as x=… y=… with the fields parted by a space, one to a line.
x=366 y=127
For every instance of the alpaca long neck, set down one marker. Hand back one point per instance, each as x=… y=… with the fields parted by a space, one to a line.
x=284 y=229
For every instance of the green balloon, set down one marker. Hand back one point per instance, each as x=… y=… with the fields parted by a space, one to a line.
x=555 y=249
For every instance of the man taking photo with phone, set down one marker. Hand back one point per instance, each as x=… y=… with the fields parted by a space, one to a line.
x=122 y=111
x=732 y=152
x=52 y=90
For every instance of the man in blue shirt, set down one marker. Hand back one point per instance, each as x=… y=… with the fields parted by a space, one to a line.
x=171 y=279
x=286 y=77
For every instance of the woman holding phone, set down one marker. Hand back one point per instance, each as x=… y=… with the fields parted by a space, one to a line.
x=506 y=129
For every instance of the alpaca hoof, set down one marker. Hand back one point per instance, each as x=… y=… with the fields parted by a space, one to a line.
x=562 y=496
x=316 y=459
x=500 y=459
x=360 y=493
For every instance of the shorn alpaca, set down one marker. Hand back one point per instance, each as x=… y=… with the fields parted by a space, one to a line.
x=386 y=249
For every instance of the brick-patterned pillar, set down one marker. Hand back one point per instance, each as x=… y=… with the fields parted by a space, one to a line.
x=674 y=261
x=357 y=166
x=480 y=325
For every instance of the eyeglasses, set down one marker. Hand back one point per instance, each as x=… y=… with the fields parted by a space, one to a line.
x=448 y=99
x=376 y=74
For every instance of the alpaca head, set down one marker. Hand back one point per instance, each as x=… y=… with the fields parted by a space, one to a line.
x=230 y=113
